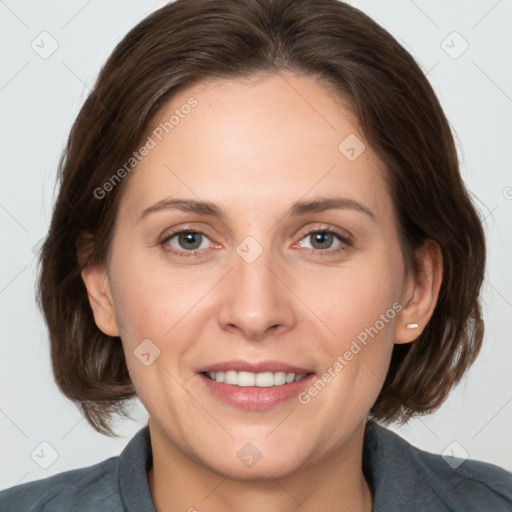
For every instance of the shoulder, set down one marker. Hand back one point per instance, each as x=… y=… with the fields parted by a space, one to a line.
x=86 y=489
x=406 y=475
x=117 y=484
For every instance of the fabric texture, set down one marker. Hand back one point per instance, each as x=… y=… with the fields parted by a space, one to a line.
x=402 y=478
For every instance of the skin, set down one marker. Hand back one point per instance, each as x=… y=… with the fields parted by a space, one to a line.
x=254 y=147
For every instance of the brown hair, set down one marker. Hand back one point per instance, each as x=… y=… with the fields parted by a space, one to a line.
x=188 y=41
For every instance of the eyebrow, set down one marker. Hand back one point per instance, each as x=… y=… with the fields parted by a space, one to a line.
x=297 y=209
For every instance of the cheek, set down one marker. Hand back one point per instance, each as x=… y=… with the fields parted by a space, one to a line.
x=351 y=300
x=162 y=306
x=151 y=308
x=356 y=356
x=149 y=301
x=360 y=305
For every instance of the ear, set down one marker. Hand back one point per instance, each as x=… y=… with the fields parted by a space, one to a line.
x=420 y=292
x=100 y=297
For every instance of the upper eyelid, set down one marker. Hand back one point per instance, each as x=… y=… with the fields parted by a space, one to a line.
x=336 y=231
x=323 y=227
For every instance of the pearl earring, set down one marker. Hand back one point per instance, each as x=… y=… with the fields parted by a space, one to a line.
x=412 y=326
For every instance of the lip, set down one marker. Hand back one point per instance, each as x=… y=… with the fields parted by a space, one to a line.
x=254 y=398
x=254 y=367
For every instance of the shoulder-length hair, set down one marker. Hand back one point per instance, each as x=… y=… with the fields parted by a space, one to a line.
x=189 y=41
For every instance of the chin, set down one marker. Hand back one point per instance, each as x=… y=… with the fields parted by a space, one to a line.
x=251 y=458
x=267 y=468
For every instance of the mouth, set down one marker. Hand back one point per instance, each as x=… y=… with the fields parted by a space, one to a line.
x=255 y=386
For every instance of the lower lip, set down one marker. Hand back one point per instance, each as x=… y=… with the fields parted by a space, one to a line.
x=254 y=398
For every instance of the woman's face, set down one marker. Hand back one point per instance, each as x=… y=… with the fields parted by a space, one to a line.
x=253 y=291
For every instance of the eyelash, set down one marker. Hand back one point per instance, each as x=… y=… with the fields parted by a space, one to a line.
x=346 y=242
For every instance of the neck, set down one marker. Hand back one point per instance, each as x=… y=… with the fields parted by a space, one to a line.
x=178 y=482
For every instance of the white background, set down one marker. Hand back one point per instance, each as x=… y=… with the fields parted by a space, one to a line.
x=39 y=99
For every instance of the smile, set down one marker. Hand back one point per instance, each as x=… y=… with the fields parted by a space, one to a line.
x=254 y=386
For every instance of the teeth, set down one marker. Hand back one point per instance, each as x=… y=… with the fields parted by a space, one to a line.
x=260 y=380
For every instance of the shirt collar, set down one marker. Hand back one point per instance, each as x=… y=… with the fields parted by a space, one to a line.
x=134 y=463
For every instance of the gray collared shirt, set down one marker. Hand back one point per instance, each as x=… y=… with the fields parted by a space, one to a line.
x=402 y=478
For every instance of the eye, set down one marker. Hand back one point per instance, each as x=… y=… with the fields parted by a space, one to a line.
x=185 y=242
x=322 y=239
x=188 y=242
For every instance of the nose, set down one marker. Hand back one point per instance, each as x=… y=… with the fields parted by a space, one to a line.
x=256 y=301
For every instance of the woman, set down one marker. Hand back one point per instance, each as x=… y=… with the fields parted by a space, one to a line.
x=262 y=232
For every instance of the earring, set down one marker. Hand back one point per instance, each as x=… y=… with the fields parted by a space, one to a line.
x=412 y=326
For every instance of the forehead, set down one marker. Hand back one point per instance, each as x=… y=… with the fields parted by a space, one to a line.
x=255 y=145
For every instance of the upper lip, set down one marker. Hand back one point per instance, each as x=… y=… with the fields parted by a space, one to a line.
x=254 y=367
